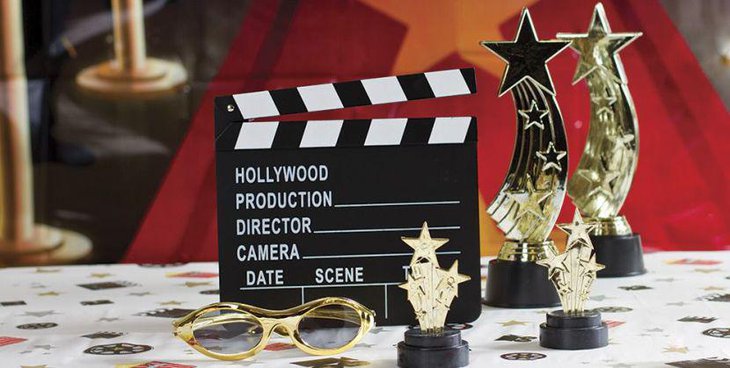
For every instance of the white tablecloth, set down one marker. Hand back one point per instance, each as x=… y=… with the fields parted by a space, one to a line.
x=119 y=316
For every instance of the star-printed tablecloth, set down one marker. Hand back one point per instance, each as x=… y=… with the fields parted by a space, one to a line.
x=120 y=315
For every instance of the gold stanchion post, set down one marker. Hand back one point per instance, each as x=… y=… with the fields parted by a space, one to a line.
x=22 y=241
x=131 y=73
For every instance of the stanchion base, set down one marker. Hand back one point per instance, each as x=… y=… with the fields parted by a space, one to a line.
x=49 y=246
x=158 y=78
x=444 y=350
x=621 y=254
x=573 y=332
x=514 y=284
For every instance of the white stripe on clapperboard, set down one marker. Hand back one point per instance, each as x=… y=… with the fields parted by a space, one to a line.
x=385 y=132
x=325 y=133
x=256 y=136
x=256 y=104
x=321 y=133
x=447 y=83
x=449 y=130
x=382 y=90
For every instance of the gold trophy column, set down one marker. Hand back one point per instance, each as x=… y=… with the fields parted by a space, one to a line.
x=603 y=177
x=131 y=73
x=22 y=241
x=530 y=199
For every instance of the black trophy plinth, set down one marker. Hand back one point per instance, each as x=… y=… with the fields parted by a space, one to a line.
x=621 y=254
x=514 y=284
x=573 y=332
x=443 y=350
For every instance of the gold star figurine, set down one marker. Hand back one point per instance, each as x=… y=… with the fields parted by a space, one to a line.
x=431 y=290
x=573 y=272
x=608 y=163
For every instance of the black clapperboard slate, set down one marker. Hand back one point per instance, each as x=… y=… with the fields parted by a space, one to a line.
x=343 y=193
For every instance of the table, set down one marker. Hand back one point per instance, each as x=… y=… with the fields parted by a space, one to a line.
x=120 y=316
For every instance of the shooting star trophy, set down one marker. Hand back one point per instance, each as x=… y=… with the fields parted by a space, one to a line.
x=573 y=273
x=431 y=291
x=529 y=201
x=603 y=177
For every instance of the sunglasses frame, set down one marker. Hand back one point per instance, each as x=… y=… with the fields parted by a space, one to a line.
x=279 y=321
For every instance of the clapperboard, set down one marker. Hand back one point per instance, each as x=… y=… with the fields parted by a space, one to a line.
x=311 y=209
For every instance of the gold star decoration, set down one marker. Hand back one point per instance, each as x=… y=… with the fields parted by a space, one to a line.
x=602 y=180
x=577 y=229
x=529 y=200
x=551 y=157
x=573 y=272
x=599 y=47
x=533 y=116
x=676 y=349
x=512 y=323
x=424 y=246
x=431 y=290
x=526 y=56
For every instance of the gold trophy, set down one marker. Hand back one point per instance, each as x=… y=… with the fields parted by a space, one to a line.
x=529 y=201
x=22 y=240
x=131 y=73
x=603 y=177
x=572 y=273
x=431 y=290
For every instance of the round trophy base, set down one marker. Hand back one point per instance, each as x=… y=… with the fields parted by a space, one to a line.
x=515 y=284
x=573 y=331
x=621 y=254
x=157 y=78
x=49 y=246
x=443 y=350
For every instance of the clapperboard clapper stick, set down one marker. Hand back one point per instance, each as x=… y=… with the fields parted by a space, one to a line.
x=309 y=209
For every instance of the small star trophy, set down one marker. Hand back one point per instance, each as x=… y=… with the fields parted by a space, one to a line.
x=431 y=291
x=572 y=273
x=603 y=177
x=529 y=201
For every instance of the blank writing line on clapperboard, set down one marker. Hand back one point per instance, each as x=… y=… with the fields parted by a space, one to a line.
x=344 y=231
x=389 y=204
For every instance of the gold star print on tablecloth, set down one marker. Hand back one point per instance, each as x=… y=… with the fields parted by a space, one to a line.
x=512 y=323
x=676 y=349
x=49 y=293
x=100 y=275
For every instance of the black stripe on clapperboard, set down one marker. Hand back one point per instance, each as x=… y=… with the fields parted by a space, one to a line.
x=347 y=133
x=330 y=96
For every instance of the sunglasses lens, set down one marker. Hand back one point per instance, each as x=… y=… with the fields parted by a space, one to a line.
x=329 y=326
x=228 y=331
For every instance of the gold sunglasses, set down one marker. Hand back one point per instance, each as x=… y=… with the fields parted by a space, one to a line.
x=234 y=331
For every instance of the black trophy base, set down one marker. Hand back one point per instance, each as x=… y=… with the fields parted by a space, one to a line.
x=513 y=284
x=573 y=332
x=444 y=350
x=621 y=254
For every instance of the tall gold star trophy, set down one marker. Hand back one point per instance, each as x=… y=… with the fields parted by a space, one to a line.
x=603 y=177
x=529 y=201
x=572 y=273
x=431 y=290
